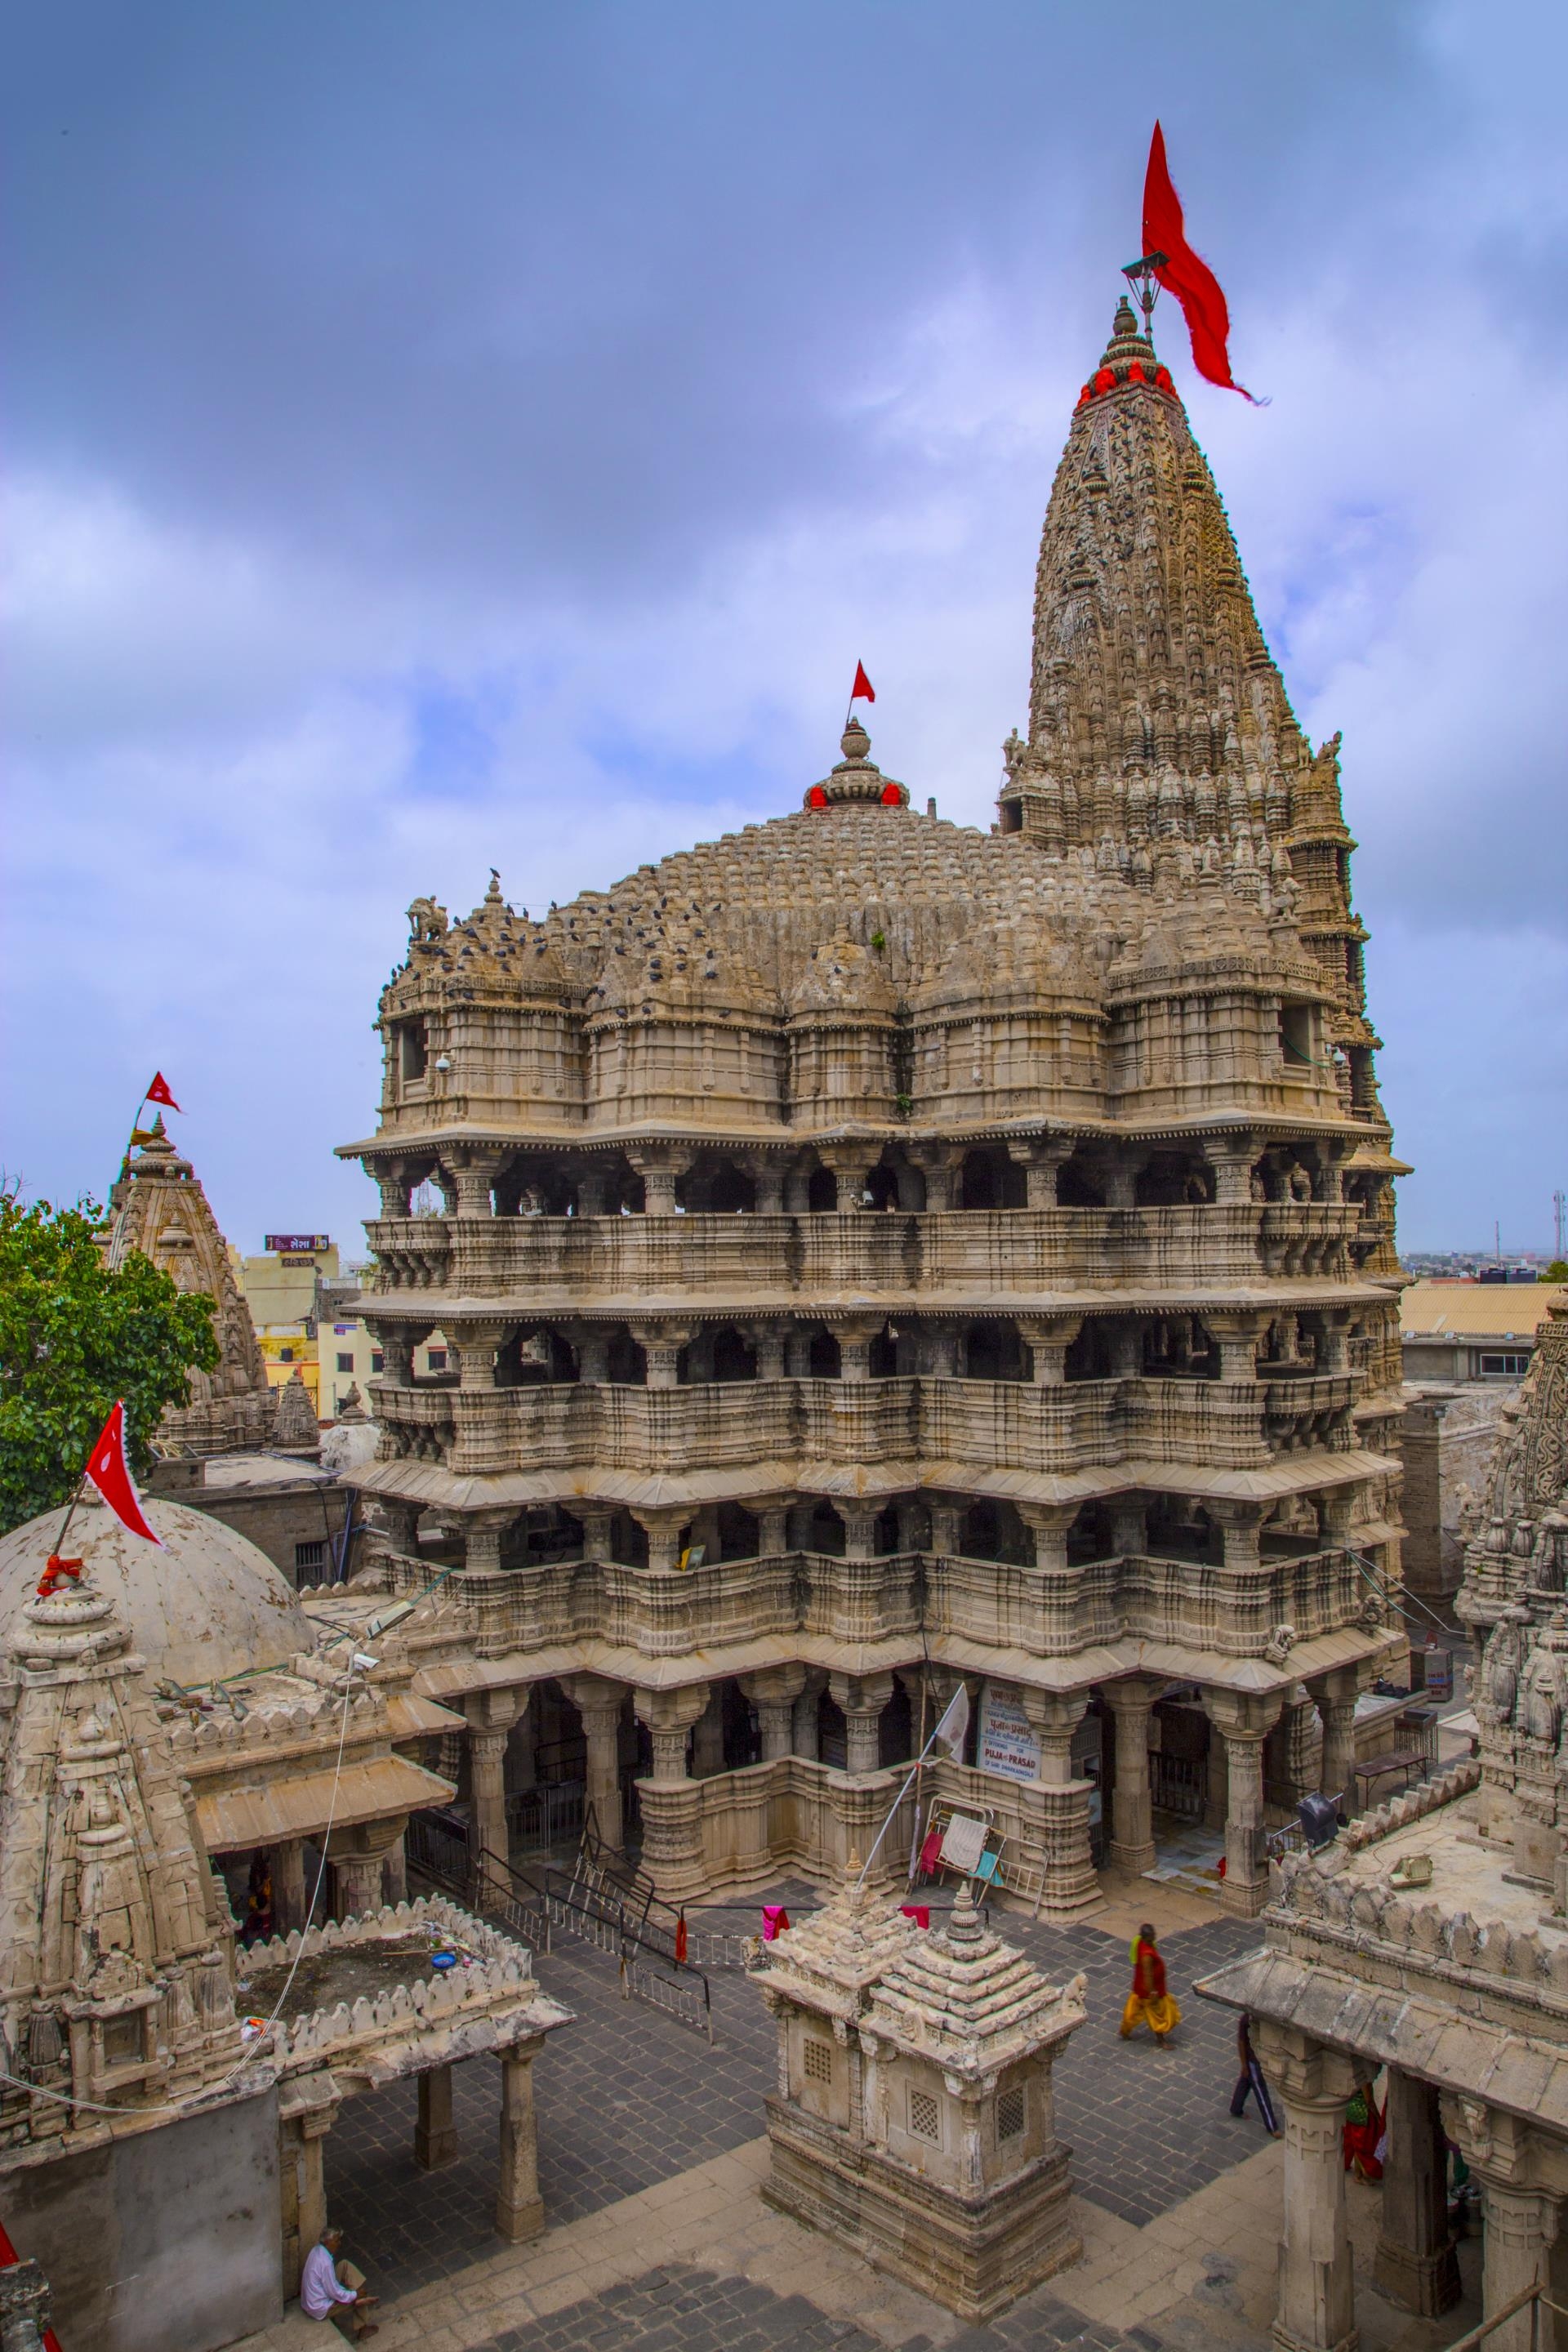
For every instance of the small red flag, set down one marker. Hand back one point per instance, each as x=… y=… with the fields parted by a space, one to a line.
x=680 y=1941
x=111 y=1474
x=1186 y=275
x=158 y=1092
x=862 y=690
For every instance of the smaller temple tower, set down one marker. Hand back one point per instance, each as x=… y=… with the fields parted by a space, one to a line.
x=158 y=1207
x=914 y=2118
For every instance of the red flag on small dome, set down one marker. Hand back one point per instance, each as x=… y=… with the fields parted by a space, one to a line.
x=862 y=690
x=111 y=1474
x=1186 y=275
x=158 y=1092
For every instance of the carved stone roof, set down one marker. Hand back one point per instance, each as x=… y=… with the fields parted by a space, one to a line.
x=159 y=1208
x=828 y=1962
x=969 y=2002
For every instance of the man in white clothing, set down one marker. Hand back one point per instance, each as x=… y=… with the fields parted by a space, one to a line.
x=334 y=2291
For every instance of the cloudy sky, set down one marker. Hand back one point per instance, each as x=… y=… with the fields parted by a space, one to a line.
x=437 y=437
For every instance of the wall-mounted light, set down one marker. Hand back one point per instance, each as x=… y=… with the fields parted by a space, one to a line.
x=443 y=1061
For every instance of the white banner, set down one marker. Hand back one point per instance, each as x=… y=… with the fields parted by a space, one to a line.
x=1007 y=1746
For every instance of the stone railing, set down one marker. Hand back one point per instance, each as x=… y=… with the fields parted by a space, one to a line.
x=991 y=1424
x=504 y=1974
x=813 y=1596
x=571 y=1260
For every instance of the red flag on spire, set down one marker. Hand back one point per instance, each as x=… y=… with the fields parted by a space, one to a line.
x=111 y=1474
x=1185 y=274
x=862 y=690
x=158 y=1092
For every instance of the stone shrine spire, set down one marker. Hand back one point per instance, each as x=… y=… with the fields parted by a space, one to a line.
x=1156 y=711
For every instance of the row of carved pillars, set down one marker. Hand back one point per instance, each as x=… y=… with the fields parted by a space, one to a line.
x=927 y=1175
x=1522 y=2171
x=685 y=1719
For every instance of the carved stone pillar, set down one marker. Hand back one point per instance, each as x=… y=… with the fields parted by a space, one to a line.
x=1523 y=2177
x=598 y=1530
x=1128 y=1526
x=862 y=1698
x=1125 y=1345
x=660 y=1166
x=593 y=1189
x=392 y=1180
x=851 y=1164
x=768 y=1171
x=1231 y=1157
x=668 y=1716
x=947 y=1529
x=769 y=1340
x=289 y=1891
x=1334 y=1696
x=774 y=1693
x=807 y=1729
x=1040 y=1158
x=1240 y=1526
x=472 y=1170
x=1310 y=2086
x=940 y=1164
x=1119 y=1180
x=1132 y=1846
x=1049 y=1337
x=491 y=1715
x=859 y=1519
x=773 y=1530
x=672 y=1803
x=1416 y=2264
x=855 y=1333
x=397 y=1355
x=394 y=1871
x=519 y=2209
x=663 y=1529
x=598 y=1703
x=1050 y=1524
x=1244 y=1722
x=475 y=1344
x=435 y=2129
x=482 y=1535
x=592 y=1342
x=941 y=1340
x=355 y=1852
x=661 y=1343
x=1236 y=1336
x=1070 y=1885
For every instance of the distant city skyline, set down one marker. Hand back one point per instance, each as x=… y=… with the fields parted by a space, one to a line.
x=439 y=443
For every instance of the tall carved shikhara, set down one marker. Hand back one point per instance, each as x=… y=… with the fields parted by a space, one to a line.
x=1056 y=1340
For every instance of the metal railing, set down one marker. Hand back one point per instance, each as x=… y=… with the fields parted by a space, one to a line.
x=1534 y=2298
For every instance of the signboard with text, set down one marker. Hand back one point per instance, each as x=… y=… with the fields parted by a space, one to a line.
x=1007 y=1746
x=291 y=1244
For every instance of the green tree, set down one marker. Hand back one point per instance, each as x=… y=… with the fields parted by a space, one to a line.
x=1557 y=1270
x=73 y=1337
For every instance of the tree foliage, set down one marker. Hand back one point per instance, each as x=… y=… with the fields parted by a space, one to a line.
x=73 y=1337
x=1557 y=1270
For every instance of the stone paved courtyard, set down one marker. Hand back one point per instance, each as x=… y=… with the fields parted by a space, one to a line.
x=651 y=2157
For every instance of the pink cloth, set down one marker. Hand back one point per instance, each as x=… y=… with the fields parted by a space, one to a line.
x=931 y=1853
x=919 y=1912
x=775 y=1917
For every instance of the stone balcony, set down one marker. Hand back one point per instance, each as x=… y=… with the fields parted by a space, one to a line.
x=596 y=1614
x=992 y=1425
x=562 y=1264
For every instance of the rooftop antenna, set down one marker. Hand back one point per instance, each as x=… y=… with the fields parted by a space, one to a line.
x=1140 y=276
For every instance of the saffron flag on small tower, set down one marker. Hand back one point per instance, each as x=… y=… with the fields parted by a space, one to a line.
x=111 y=1474
x=1186 y=275
x=862 y=690
x=158 y=1091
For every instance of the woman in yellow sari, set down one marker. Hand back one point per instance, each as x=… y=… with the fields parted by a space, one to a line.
x=1148 y=2003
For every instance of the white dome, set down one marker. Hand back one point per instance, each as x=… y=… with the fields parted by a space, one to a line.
x=208 y=1605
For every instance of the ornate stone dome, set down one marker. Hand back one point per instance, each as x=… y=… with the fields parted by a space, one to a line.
x=208 y=1605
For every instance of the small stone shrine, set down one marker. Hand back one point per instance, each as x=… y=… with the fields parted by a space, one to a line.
x=914 y=2120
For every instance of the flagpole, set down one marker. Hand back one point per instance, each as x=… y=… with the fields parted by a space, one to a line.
x=898 y=1801
x=70 y=1514
x=915 y=1831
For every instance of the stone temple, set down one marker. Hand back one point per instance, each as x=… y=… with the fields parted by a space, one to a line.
x=874 y=1251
